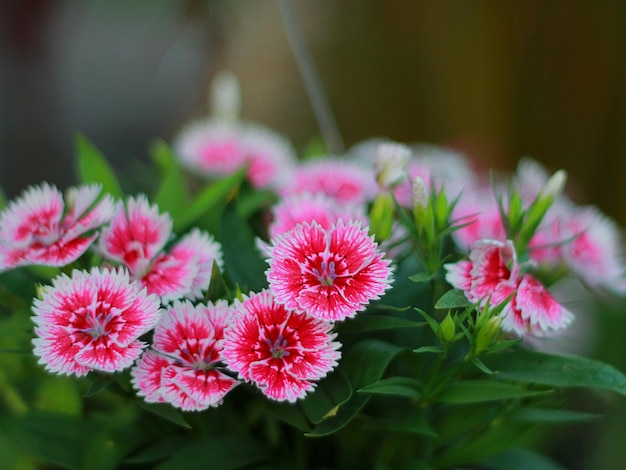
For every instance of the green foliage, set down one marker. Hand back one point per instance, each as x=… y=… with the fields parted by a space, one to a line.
x=94 y=168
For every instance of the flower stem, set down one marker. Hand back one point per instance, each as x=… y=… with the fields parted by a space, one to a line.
x=312 y=83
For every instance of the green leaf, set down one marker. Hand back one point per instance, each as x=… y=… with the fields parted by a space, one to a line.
x=556 y=416
x=209 y=199
x=429 y=349
x=557 y=371
x=476 y=391
x=520 y=459
x=223 y=452
x=363 y=364
x=3 y=200
x=454 y=298
x=164 y=411
x=242 y=260
x=402 y=386
x=413 y=422
x=54 y=438
x=332 y=392
x=159 y=450
x=94 y=168
x=172 y=194
x=422 y=277
x=100 y=382
x=369 y=322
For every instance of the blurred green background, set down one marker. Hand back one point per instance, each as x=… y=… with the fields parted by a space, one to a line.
x=495 y=79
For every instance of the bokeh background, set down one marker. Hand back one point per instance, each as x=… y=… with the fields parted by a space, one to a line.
x=497 y=80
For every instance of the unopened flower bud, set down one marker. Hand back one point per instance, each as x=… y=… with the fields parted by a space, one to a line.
x=554 y=186
x=225 y=97
x=487 y=334
x=447 y=328
x=390 y=165
x=419 y=193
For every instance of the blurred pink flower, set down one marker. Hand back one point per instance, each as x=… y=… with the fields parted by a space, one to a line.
x=183 y=366
x=330 y=274
x=136 y=238
x=39 y=227
x=281 y=351
x=216 y=148
x=307 y=207
x=346 y=181
x=92 y=320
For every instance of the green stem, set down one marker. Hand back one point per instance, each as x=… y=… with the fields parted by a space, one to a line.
x=312 y=83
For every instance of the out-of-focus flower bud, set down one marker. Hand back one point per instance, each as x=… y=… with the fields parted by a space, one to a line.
x=419 y=193
x=225 y=97
x=554 y=186
x=390 y=165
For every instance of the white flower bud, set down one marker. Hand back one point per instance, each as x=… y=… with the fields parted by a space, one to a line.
x=390 y=165
x=554 y=186
x=225 y=97
x=419 y=193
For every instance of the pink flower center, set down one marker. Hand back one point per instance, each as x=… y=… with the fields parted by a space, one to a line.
x=96 y=322
x=278 y=348
x=326 y=273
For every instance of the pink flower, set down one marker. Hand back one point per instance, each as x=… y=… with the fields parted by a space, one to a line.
x=493 y=275
x=92 y=321
x=593 y=249
x=136 y=239
x=281 y=351
x=183 y=366
x=478 y=210
x=345 y=181
x=307 y=207
x=217 y=148
x=39 y=227
x=330 y=274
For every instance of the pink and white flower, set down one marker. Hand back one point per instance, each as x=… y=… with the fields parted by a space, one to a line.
x=330 y=274
x=216 y=148
x=92 y=321
x=281 y=351
x=492 y=275
x=593 y=250
x=136 y=239
x=183 y=367
x=346 y=181
x=40 y=227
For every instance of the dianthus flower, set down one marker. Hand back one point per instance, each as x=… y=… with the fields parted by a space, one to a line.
x=40 y=227
x=492 y=275
x=92 y=321
x=281 y=351
x=330 y=274
x=136 y=239
x=346 y=181
x=216 y=148
x=183 y=366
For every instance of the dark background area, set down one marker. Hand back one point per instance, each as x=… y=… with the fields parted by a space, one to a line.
x=498 y=80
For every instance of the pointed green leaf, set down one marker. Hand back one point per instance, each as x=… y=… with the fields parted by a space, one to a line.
x=209 y=199
x=242 y=260
x=422 y=277
x=454 y=298
x=94 y=168
x=3 y=200
x=413 y=422
x=550 y=415
x=171 y=195
x=476 y=391
x=429 y=349
x=164 y=411
x=221 y=452
x=557 y=371
x=363 y=364
x=332 y=392
x=401 y=386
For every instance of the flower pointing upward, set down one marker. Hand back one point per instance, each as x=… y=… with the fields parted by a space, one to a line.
x=330 y=274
